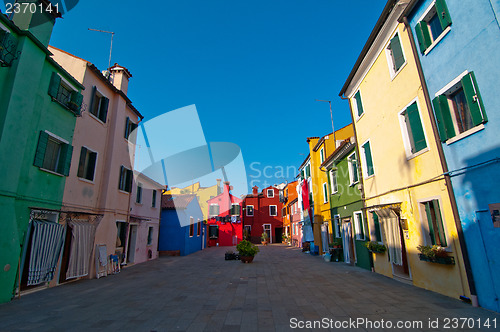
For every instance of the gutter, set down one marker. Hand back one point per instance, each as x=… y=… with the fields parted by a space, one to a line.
x=447 y=178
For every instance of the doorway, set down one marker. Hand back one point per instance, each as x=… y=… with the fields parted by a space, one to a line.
x=267 y=229
x=132 y=238
x=279 y=234
x=348 y=241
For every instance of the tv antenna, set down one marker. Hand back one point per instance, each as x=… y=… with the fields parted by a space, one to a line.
x=111 y=48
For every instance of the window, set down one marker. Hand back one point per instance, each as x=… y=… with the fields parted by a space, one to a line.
x=235 y=209
x=87 y=163
x=199 y=228
x=64 y=94
x=99 y=105
x=273 y=210
x=150 y=235
x=8 y=47
x=53 y=154
x=336 y=226
x=395 y=55
x=325 y=192
x=412 y=130
x=360 y=226
x=367 y=154
x=191 y=226
x=322 y=155
x=353 y=168
x=247 y=230
x=333 y=181
x=357 y=105
x=213 y=232
x=153 y=201
x=138 y=198
x=435 y=223
x=249 y=210
x=433 y=25
x=459 y=108
x=308 y=170
x=129 y=127
x=270 y=193
x=376 y=225
x=283 y=212
x=125 y=183
x=213 y=210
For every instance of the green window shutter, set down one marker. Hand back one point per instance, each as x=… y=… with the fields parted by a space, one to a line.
x=416 y=130
x=92 y=98
x=474 y=99
x=3 y=33
x=41 y=148
x=439 y=224
x=429 y=221
x=359 y=104
x=91 y=166
x=423 y=36
x=443 y=13
x=55 y=82
x=368 y=158
x=376 y=222
x=65 y=161
x=81 y=163
x=104 y=109
x=128 y=185
x=127 y=127
x=75 y=102
x=443 y=117
x=397 y=52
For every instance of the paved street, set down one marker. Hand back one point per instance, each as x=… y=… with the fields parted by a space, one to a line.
x=203 y=292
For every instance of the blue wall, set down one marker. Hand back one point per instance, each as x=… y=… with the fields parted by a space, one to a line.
x=473 y=44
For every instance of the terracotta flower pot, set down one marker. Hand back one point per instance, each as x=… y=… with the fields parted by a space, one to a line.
x=246 y=259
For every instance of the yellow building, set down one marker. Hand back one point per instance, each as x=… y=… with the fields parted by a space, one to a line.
x=407 y=202
x=203 y=194
x=319 y=150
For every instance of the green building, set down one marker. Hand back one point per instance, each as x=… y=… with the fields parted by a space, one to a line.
x=39 y=103
x=348 y=217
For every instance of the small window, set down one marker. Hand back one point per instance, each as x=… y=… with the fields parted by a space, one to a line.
x=357 y=105
x=150 y=235
x=433 y=25
x=308 y=170
x=199 y=227
x=270 y=193
x=213 y=210
x=61 y=92
x=367 y=156
x=322 y=155
x=353 y=168
x=325 y=192
x=333 y=181
x=213 y=232
x=273 y=210
x=360 y=226
x=283 y=212
x=460 y=108
x=99 y=105
x=247 y=231
x=87 y=163
x=52 y=154
x=191 y=226
x=249 y=211
x=395 y=55
x=153 y=201
x=336 y=226
x=436 y=233
x=376 y=223
x=129 y=127
x=235 y=209
x=413 y=131
x=138 y=198
x=125 y=183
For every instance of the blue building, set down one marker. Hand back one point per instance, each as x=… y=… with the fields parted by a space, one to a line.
x=458 y=42
x=181 y=225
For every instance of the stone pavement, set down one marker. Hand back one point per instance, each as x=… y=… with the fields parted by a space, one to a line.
x=203 y=292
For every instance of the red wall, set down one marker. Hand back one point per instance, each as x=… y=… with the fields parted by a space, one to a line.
x=261 y=215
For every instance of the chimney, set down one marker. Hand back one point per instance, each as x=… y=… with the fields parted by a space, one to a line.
x=39 y=23
x=255 y=190
x=120 y=77
x=227 y=187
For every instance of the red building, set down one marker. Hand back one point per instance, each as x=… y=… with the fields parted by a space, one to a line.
x=225 y=227
x=263 y=214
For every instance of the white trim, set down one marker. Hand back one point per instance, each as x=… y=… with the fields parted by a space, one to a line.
x=359 y=223
x=334 y=190
x=270 y=231
x=404 y=131
x=349 y=168
x=426 y=12
x=437 y=40
x=246 y=211
x=390 y=58
x=276 y=208
x=61 y=140
x=232 y=204
x=466 y=133
x=450 y=85
x=4 y=28
x=322 y=155
x=95 y=165
x=67 y=83
x=325 y=192
x=337 y=222
x=267 y=193
x=363 y=156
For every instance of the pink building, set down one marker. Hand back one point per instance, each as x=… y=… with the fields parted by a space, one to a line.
x=96 y=201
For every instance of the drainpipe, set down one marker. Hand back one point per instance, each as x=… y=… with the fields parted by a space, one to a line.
x=447 y=179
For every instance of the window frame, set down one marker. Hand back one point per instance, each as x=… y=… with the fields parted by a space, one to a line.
x=101 y=115
x=126 y=178
x=210 y=215
x=246 y=211
x=325 y=192
x=427 y=233
x=267 y=193
x=407 y=130
x=64 y=154
x=365 y=168
x=130 y=126
x=334 y=186
x=357 y=102
x=359 y=225
x=425 y=38
x=322 y=155
x=198 y=228
x=84 y=169
x=138 y=193
x=74 y=100
x=231 y=210
x=337 y=230
x=350 y=169
x=275 y=209
x=154 y=196
x=150 y=236
x=191 y=226
x=391 y=59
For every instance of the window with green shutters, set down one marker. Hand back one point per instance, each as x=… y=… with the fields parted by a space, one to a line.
x=99 y=105
x=359 y=226
x=433 y=25
x=64 y=94
x=367 y=153
x=413 y=131
x=460 y=108
x=358 y=104
x=353 y=168
x=395 y=55
x=129 y=127
x=87 y=163
x=308 y=170
x=52 y=154
x=436 y=231
x=376 y=224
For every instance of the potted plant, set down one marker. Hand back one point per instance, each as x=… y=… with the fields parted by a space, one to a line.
x=336 y=244
x=435 y=254
x=247 y=251
x=375 y=247
x=264 y=238
x=230 y=255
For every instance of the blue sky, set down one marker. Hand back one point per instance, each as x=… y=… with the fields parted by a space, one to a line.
x=252 y=68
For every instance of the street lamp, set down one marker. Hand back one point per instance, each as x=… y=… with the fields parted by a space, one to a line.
x=331 y=115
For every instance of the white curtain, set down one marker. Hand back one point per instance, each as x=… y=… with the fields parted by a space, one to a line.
x=82 y=243
x=346 y=241
x=390 y=224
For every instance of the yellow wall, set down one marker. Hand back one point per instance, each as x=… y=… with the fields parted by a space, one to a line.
x=383 y=98
x=203 y=194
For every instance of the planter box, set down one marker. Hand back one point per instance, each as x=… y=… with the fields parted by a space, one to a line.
x=376 y=251
x=438 y=260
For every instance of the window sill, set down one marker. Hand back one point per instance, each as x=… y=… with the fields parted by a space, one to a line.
x=394 y=74
x=359 y=117
x=369 y=176
x=414 y=155
x=97 y=119
x=51 y=172
x=437 y=40
x=137 y=203
x=86 y=180
x=123 y=192
x=465 y=134
x=353 y=183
